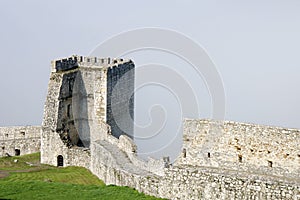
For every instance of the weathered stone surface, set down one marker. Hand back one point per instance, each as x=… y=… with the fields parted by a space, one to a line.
x=220 y=159
x=19 y=140
x=188 y=182
x=242 y=147
x=78 y=107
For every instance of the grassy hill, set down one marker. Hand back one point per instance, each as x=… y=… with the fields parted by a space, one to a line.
x=25 y=178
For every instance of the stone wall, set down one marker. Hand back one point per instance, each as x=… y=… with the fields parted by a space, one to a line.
x=241 y=146
x=113 y=166
x=77 y=156
x=53 y=146
x=187 y=182
x=61 y=121
x=220 y=160
x=113 y=161
x=125 y=144
x=19 y=140
x=51 y=143
x=76 y=107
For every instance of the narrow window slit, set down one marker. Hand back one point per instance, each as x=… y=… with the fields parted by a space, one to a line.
x=270 y=163
x=240 y=158
x=184 y=153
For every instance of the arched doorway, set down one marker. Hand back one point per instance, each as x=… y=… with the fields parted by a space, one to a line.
x=60 y=161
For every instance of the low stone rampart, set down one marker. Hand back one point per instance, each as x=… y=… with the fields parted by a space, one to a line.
x=19 y=140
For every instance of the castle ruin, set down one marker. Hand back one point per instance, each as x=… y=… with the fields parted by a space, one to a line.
x=86 y=124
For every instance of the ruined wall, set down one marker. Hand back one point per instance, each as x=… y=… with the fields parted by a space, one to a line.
x=125 y=145
x=113 y=166
x=66 y=119
x=220 y=160
x=60 y=124
x=113 y=161
x=54 y=147
x=77 y=156
x=76 y=108
x=51 y=143
x=86 y=97
x=19 y=140
x=241 y=146
x=187 y=182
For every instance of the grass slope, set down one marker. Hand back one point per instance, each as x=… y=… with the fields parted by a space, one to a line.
x=30 y=180
x=7 y=163
x=44 y=190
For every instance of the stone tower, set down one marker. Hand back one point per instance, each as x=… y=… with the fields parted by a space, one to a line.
x=85 y=94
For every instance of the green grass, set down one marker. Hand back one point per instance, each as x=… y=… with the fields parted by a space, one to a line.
x=44 y=190
x=48 y=182
x=7 y=163
x=74 y=175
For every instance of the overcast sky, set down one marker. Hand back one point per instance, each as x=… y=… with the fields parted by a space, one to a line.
x=254 y=44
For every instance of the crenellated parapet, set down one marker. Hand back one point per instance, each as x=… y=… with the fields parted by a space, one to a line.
x=76 y=61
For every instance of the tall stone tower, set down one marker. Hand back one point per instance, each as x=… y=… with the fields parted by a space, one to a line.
x=85 y=94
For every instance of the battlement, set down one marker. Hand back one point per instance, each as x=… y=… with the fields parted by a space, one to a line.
x=76 y=61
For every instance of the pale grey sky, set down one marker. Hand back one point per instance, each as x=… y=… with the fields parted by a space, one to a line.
x=254 y=44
